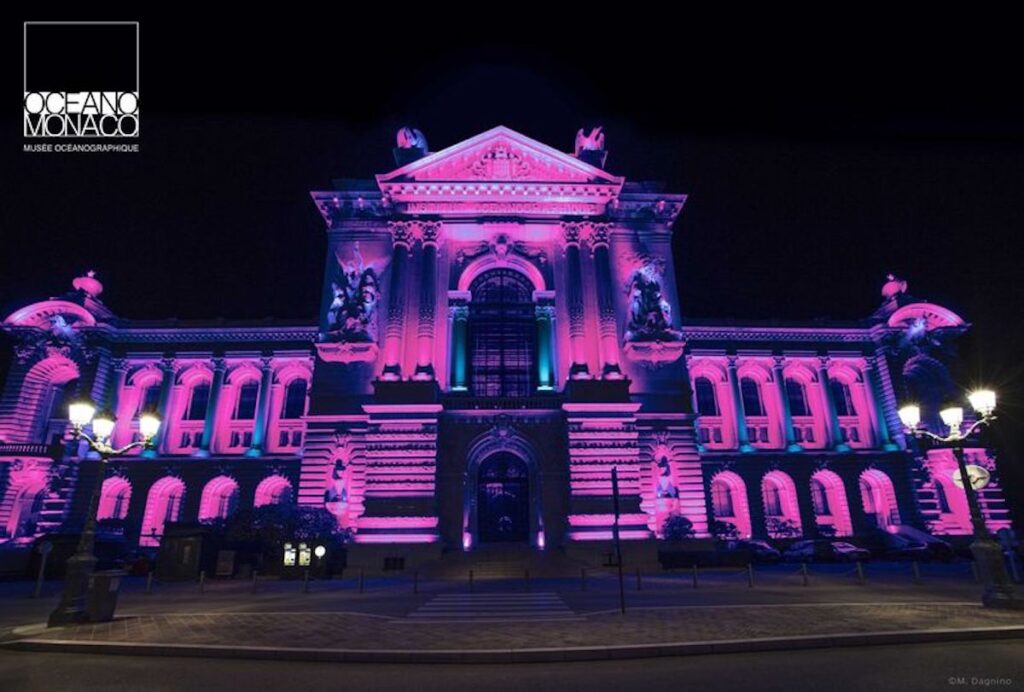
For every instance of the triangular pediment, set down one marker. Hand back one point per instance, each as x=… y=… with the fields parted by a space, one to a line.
x=499 y=155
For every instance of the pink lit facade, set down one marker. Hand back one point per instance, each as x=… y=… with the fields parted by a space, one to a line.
x=500 y=328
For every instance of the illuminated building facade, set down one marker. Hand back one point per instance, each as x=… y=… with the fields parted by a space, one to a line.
x=500 y=328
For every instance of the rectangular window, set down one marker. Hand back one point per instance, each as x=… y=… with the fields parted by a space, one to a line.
x=198 y=402
x=247 y=395
x=296 y=438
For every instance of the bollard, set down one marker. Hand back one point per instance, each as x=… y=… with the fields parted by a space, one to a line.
x=526 y=582
x=471 y=581
x=583 y=578
x=416 y=581
x=803 y=572
x=255 y=576
x=750 y=576
x=361 y=577
x=974 y=571
x=639 y=585
x=149 y=582
x=305 y=581
x=695 y=576
x=860 y=572
x=202 y=581
x=917 y=572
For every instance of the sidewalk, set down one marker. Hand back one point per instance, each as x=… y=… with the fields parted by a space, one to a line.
x=639 y=633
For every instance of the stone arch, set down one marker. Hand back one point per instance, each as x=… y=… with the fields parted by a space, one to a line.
x=781 y=506
x=879 y=498
x=26 y=504
x=729 y=501
x=482 y=265
x=273 y=490
x=42 y=383
x=114 y=498
x=500 y=441
x=831 y=508
x=219 y=499
x=163 y=504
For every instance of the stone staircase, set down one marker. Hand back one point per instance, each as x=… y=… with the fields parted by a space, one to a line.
x=502 y=562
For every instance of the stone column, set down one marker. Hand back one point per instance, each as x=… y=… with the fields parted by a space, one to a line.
x=458 y=317
x=167 y=367
x=834 y=433
x=599 y=237
x=574 y=291
x=787 y=415
x=545 y=347
x=874 y=390
x=259 y=431
x=120 y=366
x=737 y=401
x=395 y=330
x=428 y=301
x=220 y=366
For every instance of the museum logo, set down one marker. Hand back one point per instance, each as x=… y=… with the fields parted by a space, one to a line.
x=81 y=81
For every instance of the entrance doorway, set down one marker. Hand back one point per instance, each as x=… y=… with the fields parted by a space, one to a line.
x=503 y=500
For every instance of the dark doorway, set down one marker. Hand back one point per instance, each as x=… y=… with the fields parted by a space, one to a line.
x=503 y=500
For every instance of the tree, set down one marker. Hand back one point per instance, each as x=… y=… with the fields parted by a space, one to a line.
x=676 y=528
x=782 y=528
x=724 y=531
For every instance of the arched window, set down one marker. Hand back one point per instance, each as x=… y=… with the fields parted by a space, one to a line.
x=114 y=498
x=247 y=396
x=797 y=398
x=751 y=393
x=273 y=490
x=198 y=402
x=721 y=499
x=150 y=399
x=163 y=504
x=219 y=499
x=707 y=404
x=819 y=498
x=842 y=398
x=772 y=500
x=61 y=395
x=502 y=335
x=294 y=400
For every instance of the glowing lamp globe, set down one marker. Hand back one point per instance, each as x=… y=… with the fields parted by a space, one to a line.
x=149 y=425
x=319 y=551
x=952 y=416
x=983 y=401
x=81 y=412
x=103 y=425
x=910 y=416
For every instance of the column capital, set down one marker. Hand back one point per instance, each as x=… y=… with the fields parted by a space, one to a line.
x=168 y=364
x=778 y=362
x=458 y=311
x=545 y=311
x=732 y=361
x=266 y=363
x=571 y=233
x=220 y=364
x=402 y=233
x=824 y=362
x=429 y=232
x=597 y=234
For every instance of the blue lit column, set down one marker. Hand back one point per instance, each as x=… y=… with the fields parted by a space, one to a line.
x=209 y=425
x=742 y=436
x=875 y=390
x=787 y=414
x=167 y=367
x=259 y=431
x=834 y=432
x=458 y=317
x=545 y=347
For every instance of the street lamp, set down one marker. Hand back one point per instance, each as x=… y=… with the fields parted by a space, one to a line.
x=72 y=606
x=988 y=554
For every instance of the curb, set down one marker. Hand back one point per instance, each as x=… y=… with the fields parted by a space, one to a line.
x=539 y=655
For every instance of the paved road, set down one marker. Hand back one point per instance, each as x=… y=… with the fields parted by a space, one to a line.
x=919 y=667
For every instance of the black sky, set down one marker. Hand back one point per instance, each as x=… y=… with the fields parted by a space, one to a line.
x=819 y=153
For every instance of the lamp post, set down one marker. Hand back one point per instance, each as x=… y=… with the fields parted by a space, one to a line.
x=72 y=606
x=988 y=554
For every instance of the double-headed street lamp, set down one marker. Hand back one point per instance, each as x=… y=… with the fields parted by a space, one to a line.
x=988 y=554
x=72 y=607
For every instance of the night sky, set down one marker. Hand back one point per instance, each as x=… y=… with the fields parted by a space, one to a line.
x=814 y=166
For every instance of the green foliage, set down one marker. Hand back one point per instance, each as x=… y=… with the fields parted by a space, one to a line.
x=724 y=531
x=676 y=528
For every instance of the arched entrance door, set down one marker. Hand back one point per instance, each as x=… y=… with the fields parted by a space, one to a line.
x=503 y=500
